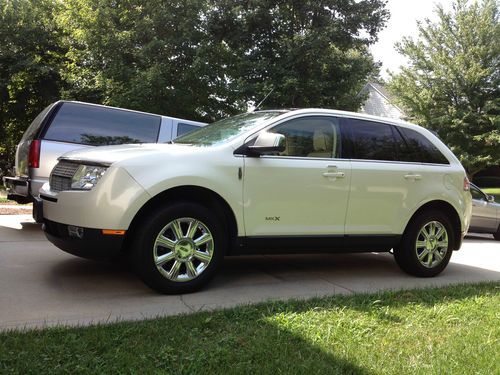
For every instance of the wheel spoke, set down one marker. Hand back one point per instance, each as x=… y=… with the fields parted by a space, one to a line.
x=174 y=271
x=423 y=254
x=191 y=271
x=162 y=259
x=165 y=242
x=425 y=233
x=193 y=227
x=203 y=239
x=176 y=228
x=201 y=256
x=440 y=232
x=420 y=244
x=430 y=258
x=442 y=244
x=438 y=256
x=432 y=228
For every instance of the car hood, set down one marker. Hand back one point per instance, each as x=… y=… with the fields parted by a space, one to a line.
x=113 y=154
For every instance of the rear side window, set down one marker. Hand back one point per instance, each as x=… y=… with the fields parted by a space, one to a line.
x=476 y=194
x=420 y=149
x=185 y=128
x=96 y=126
x=30 y=133
x=373 y=140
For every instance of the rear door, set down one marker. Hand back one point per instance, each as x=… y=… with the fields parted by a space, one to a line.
x=387 y=181
x=484 y=214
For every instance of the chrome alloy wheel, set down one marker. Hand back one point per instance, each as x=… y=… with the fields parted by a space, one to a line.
x=432 y=244
x=183 y=249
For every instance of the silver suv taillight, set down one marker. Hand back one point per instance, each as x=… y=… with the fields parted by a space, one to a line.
x=466 y=184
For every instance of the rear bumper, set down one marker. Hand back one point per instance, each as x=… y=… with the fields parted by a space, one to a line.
x=92 y=244
x=17 y=189
x=22 y=189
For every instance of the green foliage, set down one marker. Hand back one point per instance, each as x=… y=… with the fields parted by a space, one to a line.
x=310 y=53
x=30 y=68
x=452 y=82
x=154 y=56
x=196 y=59
x=206 y=59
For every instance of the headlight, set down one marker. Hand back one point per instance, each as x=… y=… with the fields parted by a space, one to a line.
x=87 y=176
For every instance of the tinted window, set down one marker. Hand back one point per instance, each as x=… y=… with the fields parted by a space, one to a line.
x=314 y=137
x=185 y=128
x=92 y=125
x=29 y=134
x=476 y=194
x=373 y=140
x=420 y=149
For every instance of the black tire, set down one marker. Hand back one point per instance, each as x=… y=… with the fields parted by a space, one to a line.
x=496 y=235
x=145 y=249
x=406 y=254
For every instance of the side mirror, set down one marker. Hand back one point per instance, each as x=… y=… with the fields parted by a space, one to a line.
x=268 y=143
x=491 y=198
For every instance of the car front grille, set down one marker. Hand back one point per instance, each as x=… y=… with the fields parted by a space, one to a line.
x=60 y=178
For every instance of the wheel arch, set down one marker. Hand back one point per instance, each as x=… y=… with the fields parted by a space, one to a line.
x=194 y=194
x=451 y=212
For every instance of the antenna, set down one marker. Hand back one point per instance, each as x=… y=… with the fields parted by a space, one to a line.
x=262 y=101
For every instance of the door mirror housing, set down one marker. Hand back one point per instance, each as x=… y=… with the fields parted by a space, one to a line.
x=491 y=198
x=267 y=143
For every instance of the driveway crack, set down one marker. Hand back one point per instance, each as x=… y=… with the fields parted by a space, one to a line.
x=186 y=304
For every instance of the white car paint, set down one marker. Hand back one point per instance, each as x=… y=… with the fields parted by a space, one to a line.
x=373 y=197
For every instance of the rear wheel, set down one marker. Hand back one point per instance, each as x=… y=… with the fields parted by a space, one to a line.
x=426 y=247
x=179 y=248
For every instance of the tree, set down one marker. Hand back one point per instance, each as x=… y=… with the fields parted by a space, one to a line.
x=452 y=82
x=196 y=59
x=205 y=59
x=154 y=56
x=31 y=60
x=310 y=53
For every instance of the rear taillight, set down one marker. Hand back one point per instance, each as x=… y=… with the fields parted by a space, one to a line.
x=34 y=154
x=466 y=184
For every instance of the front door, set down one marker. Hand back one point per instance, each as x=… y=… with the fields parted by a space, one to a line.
x=304 y=190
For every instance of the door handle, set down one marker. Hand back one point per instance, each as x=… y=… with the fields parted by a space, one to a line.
x=334 y=174
x=412 y=176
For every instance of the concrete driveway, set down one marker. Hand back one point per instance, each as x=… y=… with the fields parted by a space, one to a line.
x=43 y=286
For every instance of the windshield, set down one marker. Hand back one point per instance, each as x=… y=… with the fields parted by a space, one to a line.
x=224 y=130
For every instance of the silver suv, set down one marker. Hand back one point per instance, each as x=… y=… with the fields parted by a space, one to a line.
x=67 y=125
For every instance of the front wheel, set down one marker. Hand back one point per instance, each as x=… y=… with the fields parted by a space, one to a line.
x=178 y=248
x=426 y=247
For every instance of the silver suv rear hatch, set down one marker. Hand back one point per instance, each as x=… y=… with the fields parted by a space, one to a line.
x=22 y=152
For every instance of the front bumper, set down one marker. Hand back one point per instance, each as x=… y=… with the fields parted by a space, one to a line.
x=92 y=244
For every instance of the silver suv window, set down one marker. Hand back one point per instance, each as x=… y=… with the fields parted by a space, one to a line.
x=96 y=126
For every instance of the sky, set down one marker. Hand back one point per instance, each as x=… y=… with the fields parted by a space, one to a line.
x=402 y=22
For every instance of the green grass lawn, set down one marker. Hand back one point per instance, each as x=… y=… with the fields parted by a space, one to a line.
x=451 y=330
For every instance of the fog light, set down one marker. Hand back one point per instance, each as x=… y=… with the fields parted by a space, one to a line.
x=75 y=231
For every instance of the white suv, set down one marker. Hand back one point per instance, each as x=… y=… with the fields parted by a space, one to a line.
x=306 y=181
